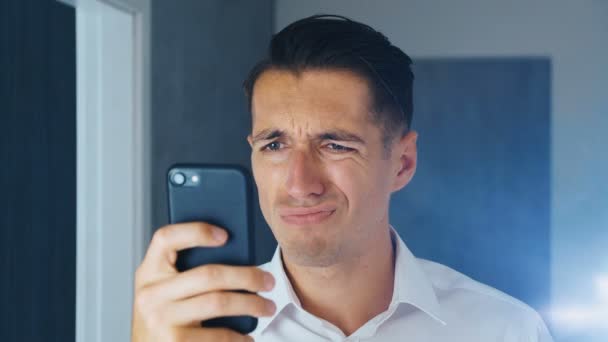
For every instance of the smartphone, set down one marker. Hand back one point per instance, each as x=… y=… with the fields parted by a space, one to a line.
x=220 y=195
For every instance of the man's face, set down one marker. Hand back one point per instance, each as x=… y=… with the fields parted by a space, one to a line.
x=323 y=178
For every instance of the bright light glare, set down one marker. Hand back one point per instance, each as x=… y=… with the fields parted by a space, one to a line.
x=593 y=317
x=602 y=287
x=194 y=179
x=582 y=317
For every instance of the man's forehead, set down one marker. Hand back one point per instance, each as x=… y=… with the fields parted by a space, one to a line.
x=310 y=100
x=327 y=93
x=311 y=124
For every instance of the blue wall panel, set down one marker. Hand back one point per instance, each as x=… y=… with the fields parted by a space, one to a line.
x=480 y=200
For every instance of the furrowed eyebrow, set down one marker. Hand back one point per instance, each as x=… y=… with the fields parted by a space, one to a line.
x=337 y=135
x=340 y=135
x=268 y=134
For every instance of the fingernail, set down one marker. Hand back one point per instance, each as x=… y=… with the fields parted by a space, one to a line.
x=270 y=307
x=268 y=281
x=219 y=235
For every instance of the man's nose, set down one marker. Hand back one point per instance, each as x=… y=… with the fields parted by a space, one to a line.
x=304 y=176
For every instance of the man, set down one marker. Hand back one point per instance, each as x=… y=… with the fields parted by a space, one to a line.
x=331 y=141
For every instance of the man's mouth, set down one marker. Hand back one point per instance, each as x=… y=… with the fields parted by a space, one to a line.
x=306 y=215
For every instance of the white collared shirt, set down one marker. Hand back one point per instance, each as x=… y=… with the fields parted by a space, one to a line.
x=430 y=303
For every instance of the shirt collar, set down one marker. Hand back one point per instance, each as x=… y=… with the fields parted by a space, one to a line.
x=282 y=294
x=411 y=285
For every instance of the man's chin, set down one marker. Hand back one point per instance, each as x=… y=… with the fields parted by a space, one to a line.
x=310 y=251
x=307 y=260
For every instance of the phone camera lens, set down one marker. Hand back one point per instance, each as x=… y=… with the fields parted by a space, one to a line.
x=178 y=178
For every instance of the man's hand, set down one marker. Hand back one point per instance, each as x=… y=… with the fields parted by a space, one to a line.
x=169 y=305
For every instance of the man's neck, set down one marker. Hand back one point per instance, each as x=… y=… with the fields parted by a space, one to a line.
x=350 y=293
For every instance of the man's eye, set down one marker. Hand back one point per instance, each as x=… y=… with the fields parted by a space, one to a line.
x=273 y=146
x=338 y=148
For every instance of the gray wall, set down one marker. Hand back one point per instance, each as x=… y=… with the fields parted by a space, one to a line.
x=573 y=35
x=201 y=52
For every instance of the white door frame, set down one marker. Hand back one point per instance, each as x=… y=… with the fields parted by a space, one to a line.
x=113 y=202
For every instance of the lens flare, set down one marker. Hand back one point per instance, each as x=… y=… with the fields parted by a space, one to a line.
x=593 y=317
x=602 y=287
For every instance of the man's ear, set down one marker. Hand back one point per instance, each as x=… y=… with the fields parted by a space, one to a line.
x=404 y=157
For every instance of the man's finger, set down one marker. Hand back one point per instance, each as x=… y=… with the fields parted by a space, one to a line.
x=167 y=241
x=218 y=304
x=212 y=277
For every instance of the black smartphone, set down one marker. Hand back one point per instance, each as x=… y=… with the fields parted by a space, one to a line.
x=220 y=195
